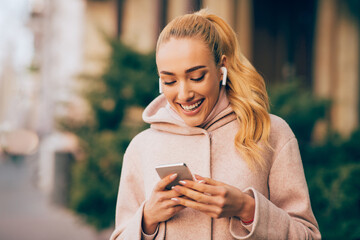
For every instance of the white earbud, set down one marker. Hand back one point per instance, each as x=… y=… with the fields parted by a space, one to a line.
x=224 y=71
x=160 y=86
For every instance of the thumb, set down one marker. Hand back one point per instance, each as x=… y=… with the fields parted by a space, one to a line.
x=161 y=185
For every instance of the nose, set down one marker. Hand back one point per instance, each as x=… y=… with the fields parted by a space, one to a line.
x=185 y=93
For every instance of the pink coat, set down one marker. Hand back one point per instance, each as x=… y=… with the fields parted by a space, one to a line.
x=283 y=209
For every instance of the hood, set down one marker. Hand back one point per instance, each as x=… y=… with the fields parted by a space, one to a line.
x=161 y=118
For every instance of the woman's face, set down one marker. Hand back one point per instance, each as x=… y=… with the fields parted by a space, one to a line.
x=190 y=78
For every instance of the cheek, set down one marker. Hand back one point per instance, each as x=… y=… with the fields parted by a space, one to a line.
x=212 y=92
x=169 y=94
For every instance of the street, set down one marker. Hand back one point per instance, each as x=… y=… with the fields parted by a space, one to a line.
x=25 y=213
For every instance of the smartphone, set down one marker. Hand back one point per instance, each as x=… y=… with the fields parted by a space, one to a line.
x=180 y=168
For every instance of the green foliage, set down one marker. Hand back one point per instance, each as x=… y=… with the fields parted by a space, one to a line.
x=298 y=107
x=130 y=80
x=95 y=179
x=332 y=168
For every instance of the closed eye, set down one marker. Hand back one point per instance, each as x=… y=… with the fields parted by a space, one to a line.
x=198 y=79
x=169 y=83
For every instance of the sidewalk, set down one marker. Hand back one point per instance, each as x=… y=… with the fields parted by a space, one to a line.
x=26 y=214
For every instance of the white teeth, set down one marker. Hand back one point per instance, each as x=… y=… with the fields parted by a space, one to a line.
x=191 y=107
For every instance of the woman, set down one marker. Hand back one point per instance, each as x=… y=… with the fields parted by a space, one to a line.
x=212 y=115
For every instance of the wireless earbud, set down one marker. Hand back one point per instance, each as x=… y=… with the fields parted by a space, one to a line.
x=160 y=86
x=224 y=71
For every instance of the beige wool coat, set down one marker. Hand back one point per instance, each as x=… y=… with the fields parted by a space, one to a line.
x=282 y=211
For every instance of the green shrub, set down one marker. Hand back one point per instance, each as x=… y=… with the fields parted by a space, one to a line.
x=333 y=171
x=332 y=168
x=130 y=80
x=298 y=107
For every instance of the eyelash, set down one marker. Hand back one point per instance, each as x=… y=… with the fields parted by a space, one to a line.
x=198 y=79
x=169 y=83
x=193 y=79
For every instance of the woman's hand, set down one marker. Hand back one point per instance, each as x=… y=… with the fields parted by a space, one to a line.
x=215 y=199
x=160 y=207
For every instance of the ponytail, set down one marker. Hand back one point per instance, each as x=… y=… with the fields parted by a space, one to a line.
x=245 y=87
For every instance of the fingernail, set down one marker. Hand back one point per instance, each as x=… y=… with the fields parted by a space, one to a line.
x=182 y=182
x=172 y=187
x=175 y=199
x=172 y=177
x=202 y=181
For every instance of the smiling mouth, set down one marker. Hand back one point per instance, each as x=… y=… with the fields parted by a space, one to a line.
x=192 y=107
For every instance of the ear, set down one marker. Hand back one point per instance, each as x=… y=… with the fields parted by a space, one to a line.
x=223 y=61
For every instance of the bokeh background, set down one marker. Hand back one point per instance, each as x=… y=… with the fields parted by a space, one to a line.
x=75 y=76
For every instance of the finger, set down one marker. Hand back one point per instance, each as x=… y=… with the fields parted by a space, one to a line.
x=170 y=204
x=173 y=204
x=161 y=185
x=194 y=205
x=195 y=195
x=170 y=194
x=209 y=181
x=209 y=210
x=178 y=208
x=204 y=188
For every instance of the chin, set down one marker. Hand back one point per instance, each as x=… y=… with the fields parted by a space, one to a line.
x=196 y=120
x=193 y=123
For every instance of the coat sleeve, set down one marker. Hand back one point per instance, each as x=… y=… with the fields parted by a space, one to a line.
x=131 y=200
x=287 y=214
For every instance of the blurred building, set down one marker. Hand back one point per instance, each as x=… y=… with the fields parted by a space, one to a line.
x=17 y=88
x=316 y=41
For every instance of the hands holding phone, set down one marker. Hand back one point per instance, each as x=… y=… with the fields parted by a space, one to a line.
x=211 y=197
x=215 y=199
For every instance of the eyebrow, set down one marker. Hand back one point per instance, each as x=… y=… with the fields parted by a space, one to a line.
x=187 y=71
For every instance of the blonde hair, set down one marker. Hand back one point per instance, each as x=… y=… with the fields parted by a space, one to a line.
x=245 y=87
